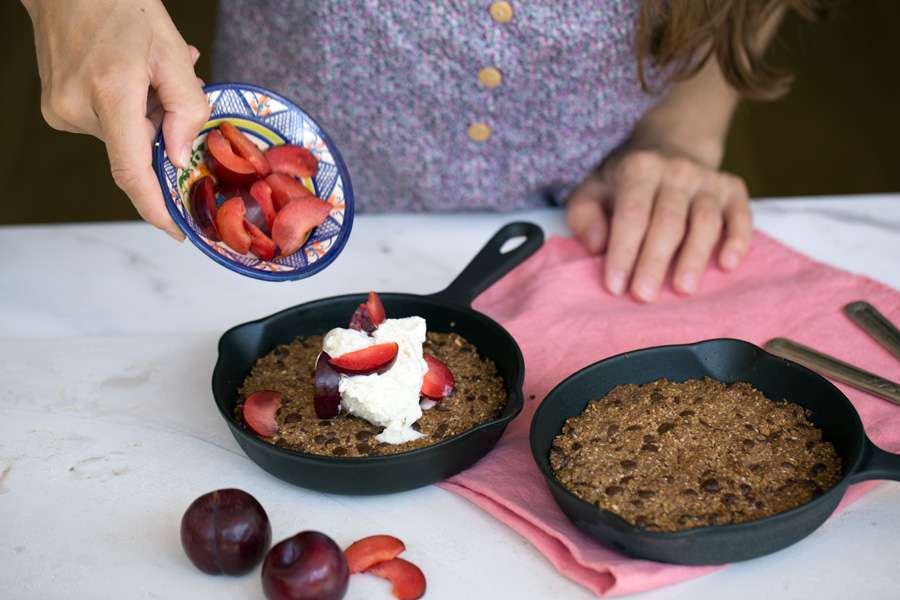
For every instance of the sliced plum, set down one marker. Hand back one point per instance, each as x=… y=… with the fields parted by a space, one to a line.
x=259 y=412
x=246 y=149
x=361 y=320
x=407 y=579
x=230 y=222
x=438 y=381
x=368 y=360
x=294 y=222
x=225 y=164
x=327 y=398
x=293 y=160
x=262 y=193
x=286 y=189
x=376 y=309
x=260 y=244
x=203 y=206
x=255 y=211
x=369 y=551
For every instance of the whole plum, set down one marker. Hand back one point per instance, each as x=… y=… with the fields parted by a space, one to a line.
x=225 y=531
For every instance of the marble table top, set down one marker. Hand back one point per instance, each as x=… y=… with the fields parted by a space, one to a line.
x=108 y=431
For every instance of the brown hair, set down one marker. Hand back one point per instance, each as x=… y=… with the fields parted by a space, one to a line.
x=679 y=36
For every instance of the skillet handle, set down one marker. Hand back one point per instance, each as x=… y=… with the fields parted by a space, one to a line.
x=489 y=264
x=876 y=464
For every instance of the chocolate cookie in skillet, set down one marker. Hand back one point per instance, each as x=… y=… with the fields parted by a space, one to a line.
x=669 y=456
x=380 y=386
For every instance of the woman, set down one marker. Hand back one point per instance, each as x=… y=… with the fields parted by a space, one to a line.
x=617 y=108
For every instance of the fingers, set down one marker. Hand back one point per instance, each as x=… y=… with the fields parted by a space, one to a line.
x=664 y=235
x=738 y=226
x=637 y=179
x=703 y=234
x=183 y=101
x=129 y=138
x=585 y=215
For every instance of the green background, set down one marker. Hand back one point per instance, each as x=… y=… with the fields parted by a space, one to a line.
x=837 y=131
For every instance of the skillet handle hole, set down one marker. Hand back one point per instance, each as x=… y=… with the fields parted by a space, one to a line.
x=512 y=243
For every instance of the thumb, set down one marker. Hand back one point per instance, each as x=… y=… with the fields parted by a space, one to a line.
x=185 y=109
x=586 y=216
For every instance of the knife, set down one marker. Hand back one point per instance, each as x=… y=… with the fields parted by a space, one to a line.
x=834 y=368
x=875 y=324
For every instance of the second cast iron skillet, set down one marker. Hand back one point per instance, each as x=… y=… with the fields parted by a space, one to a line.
x=446 y=311
x=728 y=361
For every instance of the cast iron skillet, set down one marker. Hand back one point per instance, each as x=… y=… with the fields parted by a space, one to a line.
x=729 y=361
x=446 y=311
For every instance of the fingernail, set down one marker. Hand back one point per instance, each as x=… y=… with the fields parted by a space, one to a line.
x=730 y=260
x=177 y=236
x=645 y=290
x=687 y=282
x=615 y=281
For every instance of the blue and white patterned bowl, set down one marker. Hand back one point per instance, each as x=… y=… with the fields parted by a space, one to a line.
x=269 y=120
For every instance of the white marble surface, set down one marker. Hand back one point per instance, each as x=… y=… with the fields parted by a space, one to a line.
x=108 y=431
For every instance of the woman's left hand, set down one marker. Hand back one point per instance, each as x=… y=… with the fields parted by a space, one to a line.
x=646 y=211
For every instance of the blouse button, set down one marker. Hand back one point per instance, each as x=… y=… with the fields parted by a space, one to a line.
x=490 y=77
x=479 y=132
x=501 y=11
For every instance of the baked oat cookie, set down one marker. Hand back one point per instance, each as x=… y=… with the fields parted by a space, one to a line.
x=478 y=397
x=669 y=456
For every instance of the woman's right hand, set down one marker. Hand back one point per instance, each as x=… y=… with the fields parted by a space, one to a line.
x=116 y=69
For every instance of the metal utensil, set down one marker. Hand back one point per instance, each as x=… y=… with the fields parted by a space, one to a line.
x=834 y=368
x=875 y=324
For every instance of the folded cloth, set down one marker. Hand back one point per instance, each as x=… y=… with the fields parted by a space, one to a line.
x=558 y=311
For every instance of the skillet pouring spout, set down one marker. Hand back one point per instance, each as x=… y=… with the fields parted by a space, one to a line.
x=446 y=311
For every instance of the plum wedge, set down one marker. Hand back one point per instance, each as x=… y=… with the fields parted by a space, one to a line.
x=369 y=551
x=368 y=315
x=438 y=381
x=246 y=149
x=225 y=164
x=368 y=360
x=203 y=206
x=286 y=189
x=327 y=398
x=292 y=160
x=230 y=222
x=259 y=412
x=262 y=193
x=407 y=579
x=294 y=222
x=260 y=244
x=255 y=212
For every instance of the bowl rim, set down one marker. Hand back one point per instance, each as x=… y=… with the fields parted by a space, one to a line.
x=343 y=172
x=614 y=520
x=516 y=398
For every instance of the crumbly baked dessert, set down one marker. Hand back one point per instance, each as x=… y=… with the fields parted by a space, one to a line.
x=479 y=396
x=668 y=456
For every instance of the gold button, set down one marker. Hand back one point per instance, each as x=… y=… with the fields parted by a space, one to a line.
x=502 y=12
x=490 y=77
x=479 y=132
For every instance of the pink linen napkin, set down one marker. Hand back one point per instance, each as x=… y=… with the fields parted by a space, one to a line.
x=557 y=310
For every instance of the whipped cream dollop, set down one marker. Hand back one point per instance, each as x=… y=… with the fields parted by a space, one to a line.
x=389 y=399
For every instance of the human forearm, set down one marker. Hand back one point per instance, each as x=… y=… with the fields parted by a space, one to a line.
x=691 y=121
x=693 y=118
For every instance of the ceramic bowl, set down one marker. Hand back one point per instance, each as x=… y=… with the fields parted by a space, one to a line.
x=268 y=119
